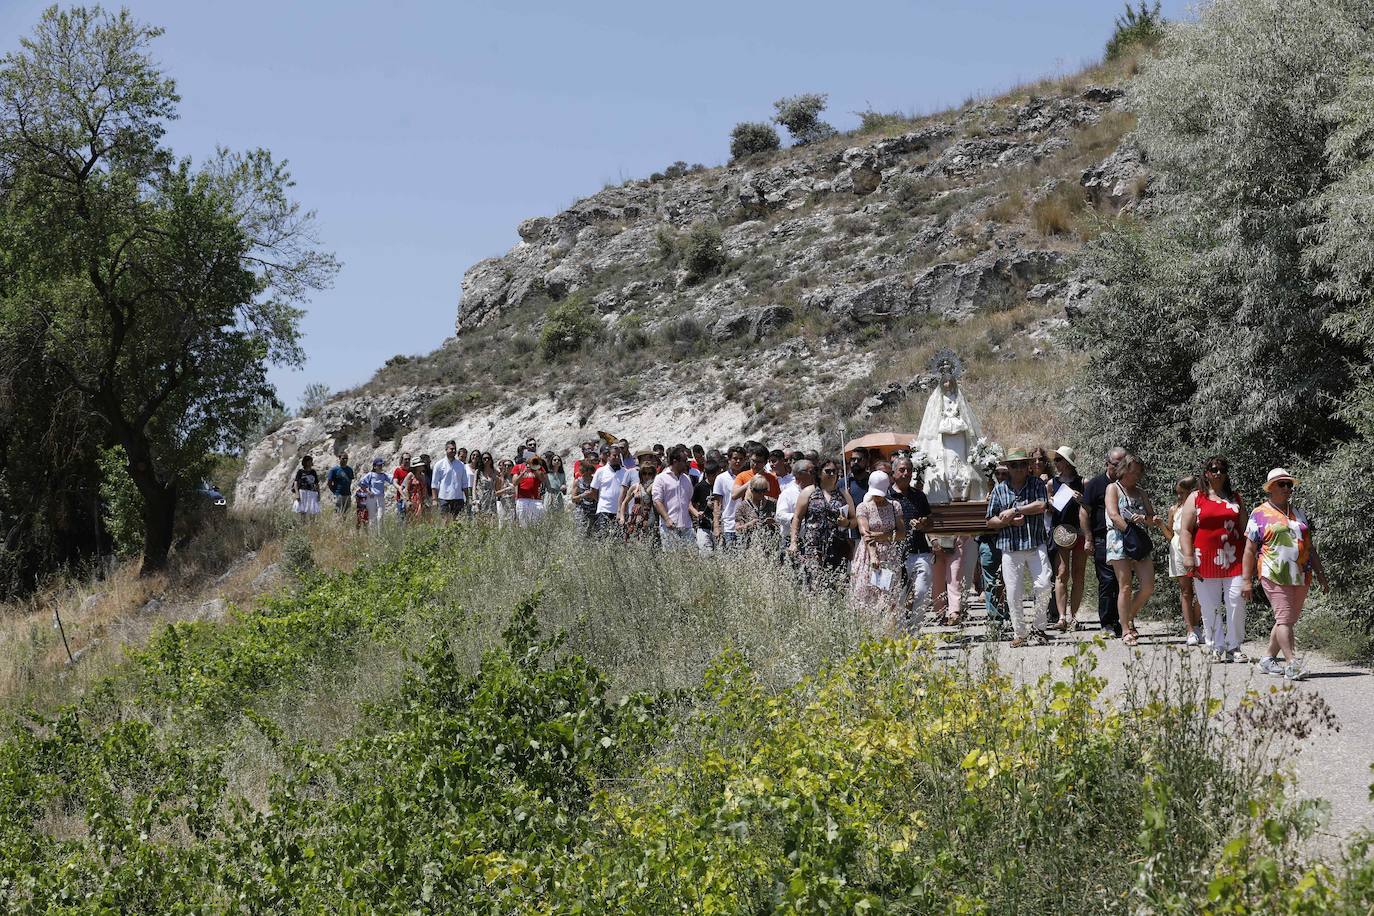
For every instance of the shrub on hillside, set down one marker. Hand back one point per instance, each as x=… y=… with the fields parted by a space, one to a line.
x=871 y=121
x=750 y=137
x=1139 y=28
x=703 y=253
x=800 y=114
x=567 y=326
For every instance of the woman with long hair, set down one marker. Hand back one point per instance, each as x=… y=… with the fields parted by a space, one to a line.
x=505 y=493
x=825 y=511
x=1178 y=569
x=555 y=483
x=1071 y=565
x=1212 y=541
x=484 y=483
x=1128 y=504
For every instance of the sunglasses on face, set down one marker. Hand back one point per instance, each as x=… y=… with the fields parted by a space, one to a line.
x=1284 y=484
x=1017 y=464
x=829 y=471
x=1216 y=470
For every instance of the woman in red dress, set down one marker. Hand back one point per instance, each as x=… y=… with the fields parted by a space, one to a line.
x=1212 y=538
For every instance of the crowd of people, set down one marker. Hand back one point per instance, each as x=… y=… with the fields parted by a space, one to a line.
x=866 y=525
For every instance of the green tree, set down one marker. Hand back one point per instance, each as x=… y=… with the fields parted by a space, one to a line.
x=1139 y=27
x=154 y=291
x=800 y=114
x=1236 y=319
x=315 y=396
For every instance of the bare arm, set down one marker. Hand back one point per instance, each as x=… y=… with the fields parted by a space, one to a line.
x=1247 y=570
x=1187 y=524
x=1113 y=513
x=803 y=503
x=1318 y=570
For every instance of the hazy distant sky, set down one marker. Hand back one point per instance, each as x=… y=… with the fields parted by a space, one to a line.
x=423 y=132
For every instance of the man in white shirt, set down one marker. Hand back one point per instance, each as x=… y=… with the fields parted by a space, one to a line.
x=449 y=483
x=780 y=464
x=672 y=495
x=723 y=502
x=803 y=475
x=607 y=483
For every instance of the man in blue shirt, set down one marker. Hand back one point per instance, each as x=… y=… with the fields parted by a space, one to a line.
x=340 y=483
x=1016 y=512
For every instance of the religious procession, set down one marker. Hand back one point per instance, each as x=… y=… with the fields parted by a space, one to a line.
x=918 y=527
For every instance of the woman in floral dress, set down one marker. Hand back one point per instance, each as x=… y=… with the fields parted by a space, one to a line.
x=882 y=541
x=1211 y=534
x=824 y=511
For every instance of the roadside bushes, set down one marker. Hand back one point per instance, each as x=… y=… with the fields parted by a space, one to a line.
x=591 y=766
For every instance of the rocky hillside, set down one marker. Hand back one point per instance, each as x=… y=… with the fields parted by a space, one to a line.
x=793 y=296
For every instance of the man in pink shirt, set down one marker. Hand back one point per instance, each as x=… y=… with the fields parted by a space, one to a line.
x=672 y=495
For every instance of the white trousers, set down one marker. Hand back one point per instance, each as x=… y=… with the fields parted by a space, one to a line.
x=528 y=512
x=1223 y=630
x=920 y=576
x=375 y=510
x=706 y=541
x=1015 y=563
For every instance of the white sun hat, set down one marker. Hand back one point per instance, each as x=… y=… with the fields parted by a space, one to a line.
x=878 y=484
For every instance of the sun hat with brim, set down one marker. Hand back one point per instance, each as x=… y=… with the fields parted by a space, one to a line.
x=1067 y=454
x=1016 y=454
x=878 y=484
x=1276 y=475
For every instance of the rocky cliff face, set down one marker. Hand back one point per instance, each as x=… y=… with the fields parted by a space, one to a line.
x=831 y=252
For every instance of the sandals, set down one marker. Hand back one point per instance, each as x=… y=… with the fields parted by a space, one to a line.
x=1131 y=637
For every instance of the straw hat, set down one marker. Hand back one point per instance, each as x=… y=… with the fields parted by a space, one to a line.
x=1275 y=476
x=1067 y=454
x=1016 y=454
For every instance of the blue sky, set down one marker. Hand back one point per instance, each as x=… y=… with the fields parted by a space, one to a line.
x=423 y=132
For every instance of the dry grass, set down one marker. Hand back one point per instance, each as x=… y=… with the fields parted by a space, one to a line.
x=102 y=616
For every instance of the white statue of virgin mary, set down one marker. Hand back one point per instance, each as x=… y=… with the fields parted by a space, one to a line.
x=947 y=436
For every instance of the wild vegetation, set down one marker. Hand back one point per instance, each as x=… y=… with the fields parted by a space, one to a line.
x=635 y=736
x=1236 y=314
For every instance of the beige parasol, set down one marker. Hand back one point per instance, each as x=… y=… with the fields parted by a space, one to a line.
x=885 y=444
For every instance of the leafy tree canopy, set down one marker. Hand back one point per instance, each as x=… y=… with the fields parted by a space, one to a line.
x=155 y=291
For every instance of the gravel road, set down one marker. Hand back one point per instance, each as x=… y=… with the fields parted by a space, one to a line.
x=1331 y=764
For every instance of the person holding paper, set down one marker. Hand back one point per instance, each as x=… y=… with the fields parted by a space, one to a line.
x=877 y=569
x=1065 y=490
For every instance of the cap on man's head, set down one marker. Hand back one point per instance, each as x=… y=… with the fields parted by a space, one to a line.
x=378 y=462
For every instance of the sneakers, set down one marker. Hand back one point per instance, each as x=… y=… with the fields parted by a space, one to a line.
x=1193 y=639
x=1294 y=672
x=1272 y=666
x=1219 y=657
x=1238 y=656
x=1040 y=637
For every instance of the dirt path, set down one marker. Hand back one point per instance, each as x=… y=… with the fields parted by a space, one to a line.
x=1333 y=765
